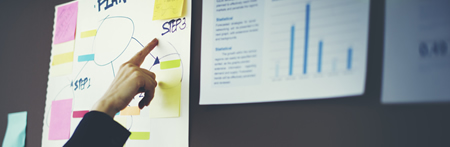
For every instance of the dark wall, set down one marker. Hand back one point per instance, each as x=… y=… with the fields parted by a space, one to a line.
x=25 y=43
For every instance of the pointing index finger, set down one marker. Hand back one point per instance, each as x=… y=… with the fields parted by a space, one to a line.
x=140 y=56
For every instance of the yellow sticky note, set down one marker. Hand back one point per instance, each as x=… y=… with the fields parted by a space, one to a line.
x=140 y=136
x=132 y=110
x=90 y=33
x=166 y=102
x=167 y=9
x=62 y=58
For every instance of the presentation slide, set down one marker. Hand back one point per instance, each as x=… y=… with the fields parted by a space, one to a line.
x=92 y=39
x=279 y=50
x=416 y=59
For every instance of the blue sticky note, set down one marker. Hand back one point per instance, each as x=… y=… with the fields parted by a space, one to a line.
x=16 y=130
x=88 y=57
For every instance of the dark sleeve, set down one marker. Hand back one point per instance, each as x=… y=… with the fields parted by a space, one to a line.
x=97 y=129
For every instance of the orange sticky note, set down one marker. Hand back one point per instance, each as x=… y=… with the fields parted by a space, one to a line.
x=132 y=110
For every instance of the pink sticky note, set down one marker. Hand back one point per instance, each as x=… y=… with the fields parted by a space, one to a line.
x=79 y=114
x=60 y=119
x=66 y=22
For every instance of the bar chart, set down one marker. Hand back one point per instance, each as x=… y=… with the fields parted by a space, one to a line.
x=322 y=37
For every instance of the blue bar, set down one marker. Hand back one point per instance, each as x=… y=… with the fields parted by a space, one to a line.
x=349 y=59
x=291 y=54
x=305 y=59
x=88 y=57
x=319 y=62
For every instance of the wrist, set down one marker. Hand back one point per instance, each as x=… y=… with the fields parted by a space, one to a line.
x=106 y=106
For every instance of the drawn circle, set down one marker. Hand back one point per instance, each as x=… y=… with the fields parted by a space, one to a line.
x=168 y=78
x=112 y=39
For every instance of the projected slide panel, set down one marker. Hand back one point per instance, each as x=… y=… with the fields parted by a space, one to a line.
x=416 y=56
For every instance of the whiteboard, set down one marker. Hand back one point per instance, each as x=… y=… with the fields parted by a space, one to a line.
x=107 y=37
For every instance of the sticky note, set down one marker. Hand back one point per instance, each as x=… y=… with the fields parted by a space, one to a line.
x=121 y=120
x=79 y=114
x=140 y=136
x=167 y=9
x=170 y=64
x=60 y=113
x=62 y=68
x=66 y=22
x=167 y=100
x=16 y=130
x=84 y=58
x=90 y=33
x=132 y=110
x=62 y=58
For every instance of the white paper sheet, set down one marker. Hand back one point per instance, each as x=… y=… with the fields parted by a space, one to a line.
x=416 y=52
x=266 y=50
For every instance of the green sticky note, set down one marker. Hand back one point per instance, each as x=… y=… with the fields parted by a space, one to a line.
x=16 y=130
x=140 y=136
x=170 y=64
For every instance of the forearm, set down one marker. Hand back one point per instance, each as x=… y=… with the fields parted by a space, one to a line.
x=98 y=129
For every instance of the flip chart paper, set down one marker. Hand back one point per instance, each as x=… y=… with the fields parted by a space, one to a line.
x=16 y=130
x=66 y=21
x=132 y=110
x=121 y=32
x=63 y=47
x=140 y=136
x=60 y=70
x=60 y=119
x=167 y=9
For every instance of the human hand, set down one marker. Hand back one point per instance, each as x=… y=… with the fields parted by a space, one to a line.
x=130 y=80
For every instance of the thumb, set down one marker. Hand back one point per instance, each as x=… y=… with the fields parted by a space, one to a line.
x=147 y=98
